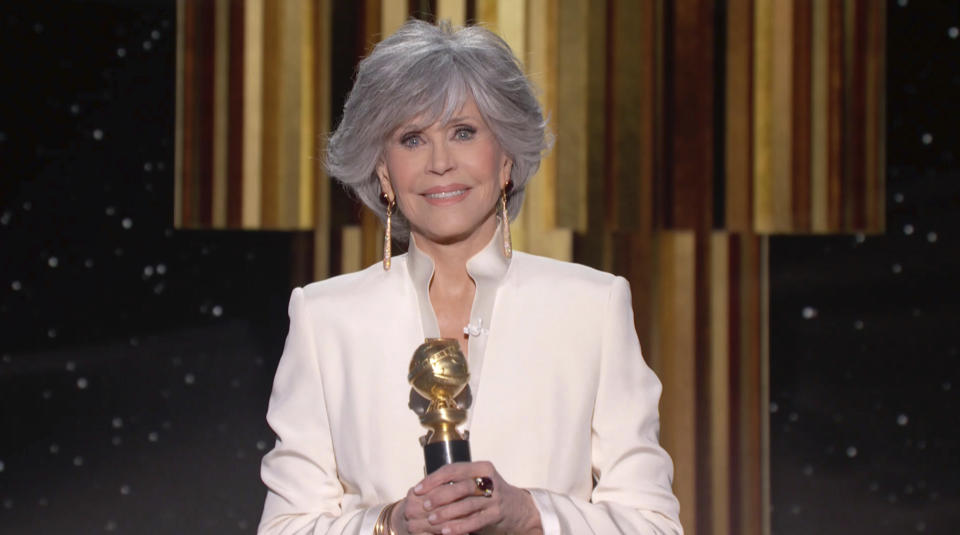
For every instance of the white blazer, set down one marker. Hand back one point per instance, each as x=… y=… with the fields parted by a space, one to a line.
x=561 y=397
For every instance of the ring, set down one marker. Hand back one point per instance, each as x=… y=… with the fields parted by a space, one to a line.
x=484 y=486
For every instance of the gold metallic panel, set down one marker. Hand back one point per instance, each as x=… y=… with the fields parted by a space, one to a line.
x=738 y=117
x=247 y=120
x=454 y=11
x=719 y=382
x=674 y=360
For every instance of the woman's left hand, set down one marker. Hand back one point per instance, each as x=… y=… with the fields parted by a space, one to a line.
x=456 y=507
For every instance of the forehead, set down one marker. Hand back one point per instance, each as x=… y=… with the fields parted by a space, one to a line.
x=466 y=108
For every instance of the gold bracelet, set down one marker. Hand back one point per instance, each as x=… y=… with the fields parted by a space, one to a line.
x=383 y=527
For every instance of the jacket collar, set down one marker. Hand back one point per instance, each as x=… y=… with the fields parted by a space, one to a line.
x=487 y=268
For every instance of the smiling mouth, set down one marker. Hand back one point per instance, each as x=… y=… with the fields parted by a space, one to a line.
x=445 y=194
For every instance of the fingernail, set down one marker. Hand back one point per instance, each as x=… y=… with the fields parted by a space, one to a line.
x=432 y=518
x=427 y=504
x=418 y=488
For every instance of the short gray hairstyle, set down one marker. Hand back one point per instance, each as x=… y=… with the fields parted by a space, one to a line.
x=430 y=70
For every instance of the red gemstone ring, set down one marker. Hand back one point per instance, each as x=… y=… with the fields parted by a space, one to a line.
x=484 y=486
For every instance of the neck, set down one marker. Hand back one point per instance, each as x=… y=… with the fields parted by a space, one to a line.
x=450 y=258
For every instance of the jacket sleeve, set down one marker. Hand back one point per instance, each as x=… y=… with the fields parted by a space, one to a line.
x=304 y=494
x=633 y=472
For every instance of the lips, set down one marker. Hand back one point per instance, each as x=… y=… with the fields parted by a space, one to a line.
x=446 y=194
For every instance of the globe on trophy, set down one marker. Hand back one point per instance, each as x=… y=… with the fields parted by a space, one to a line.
x=438 y=372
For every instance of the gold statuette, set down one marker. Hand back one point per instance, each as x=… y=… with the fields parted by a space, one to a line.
x=438 y=372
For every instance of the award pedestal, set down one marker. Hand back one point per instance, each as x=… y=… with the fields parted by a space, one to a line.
x=438 y=454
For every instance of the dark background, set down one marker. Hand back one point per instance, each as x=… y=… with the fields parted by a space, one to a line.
x=136 y=360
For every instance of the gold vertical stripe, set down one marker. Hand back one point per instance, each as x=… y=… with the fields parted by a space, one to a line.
x=393 y=13
x=291 y=34
x=454 y=11
x=676 y=337
x=179 y=119
x=511 y=23
x=781 y=117
x=252 y=113
x=763 y=103
x=486 y=13
x=351 y=249
x=538 y=231
x=720 y=380
x=221 y=88
x=322 y=213
x=570 y=116
x=737 y=161
x=308 y=116
x=819 y=108
x=627 y=114
x=271 y=140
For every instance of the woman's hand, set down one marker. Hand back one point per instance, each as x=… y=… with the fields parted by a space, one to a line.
x=447 y=502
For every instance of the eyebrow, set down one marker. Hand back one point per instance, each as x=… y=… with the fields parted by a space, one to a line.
x=419 y=127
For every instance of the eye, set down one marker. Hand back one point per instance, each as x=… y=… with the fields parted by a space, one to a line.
x=411 y=141
x=464 y=133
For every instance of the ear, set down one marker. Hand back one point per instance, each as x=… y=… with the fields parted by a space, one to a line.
x=385 y=186
x=505 y=170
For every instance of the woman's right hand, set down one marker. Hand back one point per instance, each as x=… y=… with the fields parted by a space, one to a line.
x=409 y=517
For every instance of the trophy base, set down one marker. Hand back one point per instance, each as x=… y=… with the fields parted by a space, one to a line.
x=438 y=454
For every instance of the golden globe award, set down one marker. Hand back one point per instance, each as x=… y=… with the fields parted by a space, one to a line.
x=438 y=372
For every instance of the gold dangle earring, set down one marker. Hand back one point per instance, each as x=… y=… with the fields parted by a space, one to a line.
x=505 y=221
x=386 y=235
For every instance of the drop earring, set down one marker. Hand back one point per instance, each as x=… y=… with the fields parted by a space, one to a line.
x=505 y=222
x=386 y=235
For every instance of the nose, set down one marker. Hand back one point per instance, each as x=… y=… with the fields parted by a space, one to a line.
x=441 y=160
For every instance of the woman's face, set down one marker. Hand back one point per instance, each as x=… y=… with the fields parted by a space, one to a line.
x=446 y=178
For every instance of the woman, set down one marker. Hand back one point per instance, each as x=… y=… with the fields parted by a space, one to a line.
x=439 y=136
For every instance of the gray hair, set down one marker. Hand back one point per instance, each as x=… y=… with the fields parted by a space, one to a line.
x=430 y=70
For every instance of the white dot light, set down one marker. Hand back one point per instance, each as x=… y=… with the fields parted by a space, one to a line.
x=851 y=451
x=931 y=237
x=121 y=52
x=902 y=419
x=927 y=138
x=82 y=383
x=953 y=32
x=53 y=261
x=897 y=269
x=189 y=379
x=127 y=223
x=908 y=229
x=98 y=134
x=15 y=286
x=809 y=313
x=217 y=311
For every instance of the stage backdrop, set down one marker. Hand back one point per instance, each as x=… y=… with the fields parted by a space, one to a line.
x=687 y=132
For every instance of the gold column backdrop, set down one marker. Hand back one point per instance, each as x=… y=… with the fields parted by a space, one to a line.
x=687 y=133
